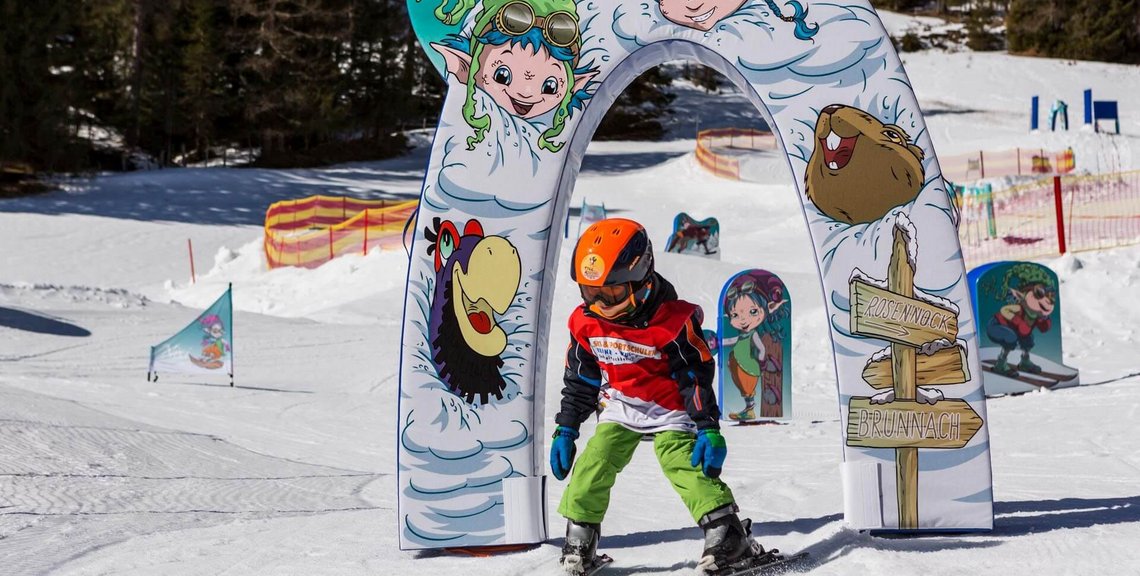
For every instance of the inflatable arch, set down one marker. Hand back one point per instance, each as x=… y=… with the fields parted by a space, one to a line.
x=529 y=81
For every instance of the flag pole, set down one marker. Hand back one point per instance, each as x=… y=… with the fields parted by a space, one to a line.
x=230 y=295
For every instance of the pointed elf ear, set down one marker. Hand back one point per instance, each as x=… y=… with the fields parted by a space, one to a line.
x=580 y=80
x=456 y=61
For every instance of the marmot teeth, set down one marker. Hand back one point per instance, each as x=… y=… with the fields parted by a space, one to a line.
x=833 y=141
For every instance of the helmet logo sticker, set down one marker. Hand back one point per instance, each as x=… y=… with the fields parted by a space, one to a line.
x=593 y=267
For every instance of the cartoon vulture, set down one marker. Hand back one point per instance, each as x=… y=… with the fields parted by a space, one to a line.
x=861 y=168
x=476 y=278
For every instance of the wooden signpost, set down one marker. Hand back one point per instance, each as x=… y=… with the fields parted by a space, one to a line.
x=923 y=351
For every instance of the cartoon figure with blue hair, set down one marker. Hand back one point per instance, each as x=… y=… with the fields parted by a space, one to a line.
x=704 y=14
x=525 y=55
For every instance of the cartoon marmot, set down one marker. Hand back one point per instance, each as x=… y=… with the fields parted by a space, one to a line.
x=861 y=168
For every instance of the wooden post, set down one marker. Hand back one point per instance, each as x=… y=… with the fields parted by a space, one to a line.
x=982 y=163
x=900 y=280
x=190 y=247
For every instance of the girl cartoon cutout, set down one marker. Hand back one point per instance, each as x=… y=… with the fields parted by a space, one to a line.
x=525 y=55
x=704 y=14
x=754 y=304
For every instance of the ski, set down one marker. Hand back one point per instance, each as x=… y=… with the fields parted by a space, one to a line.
x=768 y=563
x=1041 y=382
x=599 y=563
x=988 y=364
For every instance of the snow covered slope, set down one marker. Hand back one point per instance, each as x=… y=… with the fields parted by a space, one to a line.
x=292 y=471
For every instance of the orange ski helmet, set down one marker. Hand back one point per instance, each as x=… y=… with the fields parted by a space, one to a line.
x=613 y=265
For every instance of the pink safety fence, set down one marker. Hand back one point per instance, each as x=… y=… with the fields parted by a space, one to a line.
x=1049 y=217
x=1011 y=162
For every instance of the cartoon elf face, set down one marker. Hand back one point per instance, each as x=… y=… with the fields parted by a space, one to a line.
x=746 y=314
x=527 y=82
x=698 y=14
x=217 y=331
x=525 y=54
x=1040 y=300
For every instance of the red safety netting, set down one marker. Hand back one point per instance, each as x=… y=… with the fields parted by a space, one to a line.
x=1050 y=217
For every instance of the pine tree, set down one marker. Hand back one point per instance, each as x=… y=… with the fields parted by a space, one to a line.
x=38 y=86
x=638 y=111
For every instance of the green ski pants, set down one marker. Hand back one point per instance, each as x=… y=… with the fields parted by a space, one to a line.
x=588 y=495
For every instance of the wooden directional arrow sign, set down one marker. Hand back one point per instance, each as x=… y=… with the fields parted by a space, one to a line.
x=909 y=424
x=943 y=368
x=883 y=314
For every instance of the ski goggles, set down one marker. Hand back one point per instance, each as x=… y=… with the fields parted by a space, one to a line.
x=517 y=18
x=1043 y=292
x=748 y=287
x=608 y=295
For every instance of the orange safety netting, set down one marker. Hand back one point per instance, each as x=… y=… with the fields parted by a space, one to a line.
x=1050 y=216
x=724 y=165
x=311 y=231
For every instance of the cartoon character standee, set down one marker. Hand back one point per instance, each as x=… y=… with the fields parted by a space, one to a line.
x=525 y=55
x=1032 y=298
x=477 y=277
x=704 y=15
x=755 y=307
x=214 y=345
x=689 y=237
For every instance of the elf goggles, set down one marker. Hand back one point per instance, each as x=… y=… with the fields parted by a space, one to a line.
x=1043 y=292
x=747 y=287
x=517 y=18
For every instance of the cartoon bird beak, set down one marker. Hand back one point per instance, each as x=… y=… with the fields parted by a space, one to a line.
x=487 y=288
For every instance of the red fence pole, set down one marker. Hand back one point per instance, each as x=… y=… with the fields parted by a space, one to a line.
x=365 y=231
x=190 y=246
x=1060 y=213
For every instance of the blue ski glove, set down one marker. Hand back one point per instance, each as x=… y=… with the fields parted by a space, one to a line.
x=562 y=451
x=709 y=452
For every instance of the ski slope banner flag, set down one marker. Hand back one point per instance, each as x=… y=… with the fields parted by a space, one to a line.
x=203 y=347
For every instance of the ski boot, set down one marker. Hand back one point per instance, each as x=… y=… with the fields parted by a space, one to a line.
x=748 y=413
x=1002 y=367
x=1028 y=366
x=727 y=541
x=579 y=553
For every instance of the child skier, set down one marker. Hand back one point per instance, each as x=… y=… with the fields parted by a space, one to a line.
x=649 y=344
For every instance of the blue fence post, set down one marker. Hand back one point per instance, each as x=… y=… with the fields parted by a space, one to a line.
x=1034 y=113
x=1088 y=107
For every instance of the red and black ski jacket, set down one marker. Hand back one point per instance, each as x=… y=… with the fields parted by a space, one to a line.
x=659 y=357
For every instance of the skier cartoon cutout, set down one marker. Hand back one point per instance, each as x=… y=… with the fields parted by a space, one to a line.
x=1033 y=297
x=525 y=55
x=214 y=345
